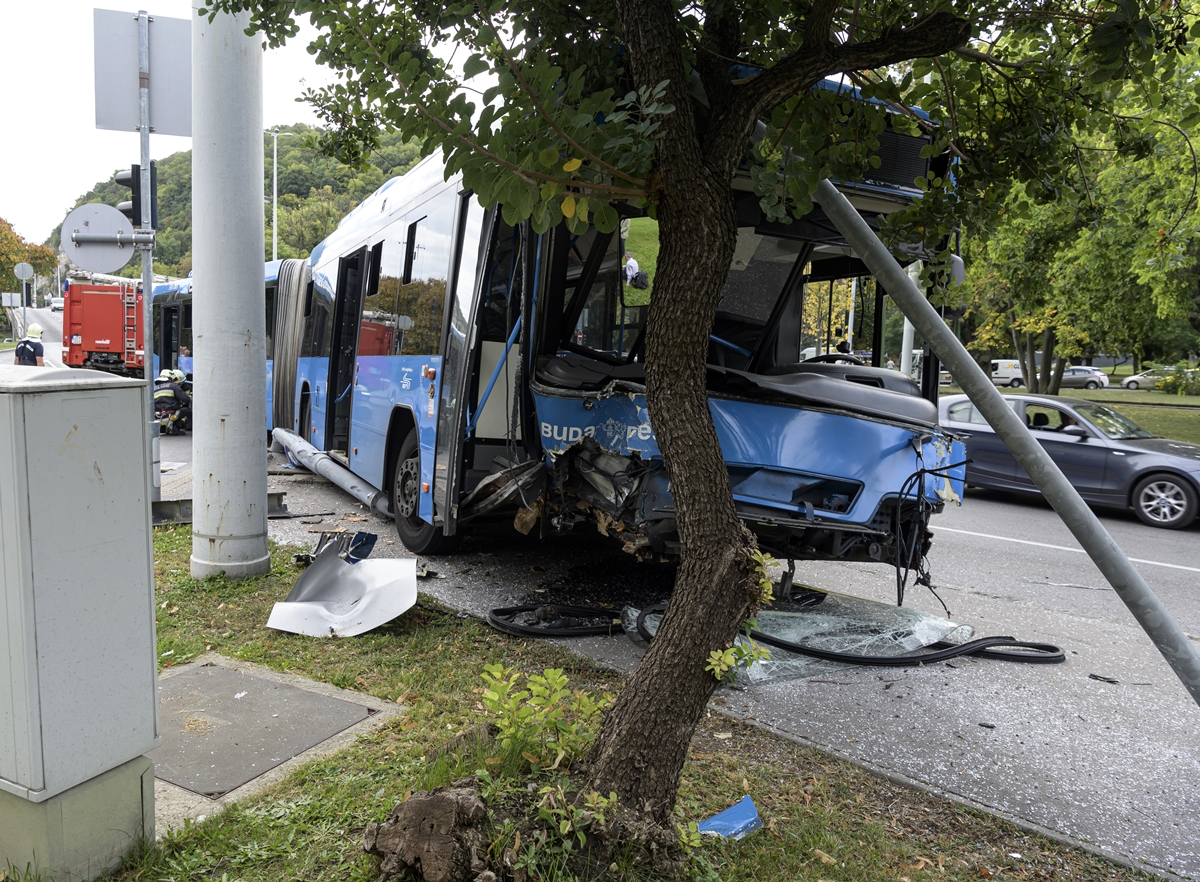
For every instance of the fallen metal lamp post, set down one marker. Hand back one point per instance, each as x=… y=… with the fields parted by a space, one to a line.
x=320 y=463
x=1080 y=520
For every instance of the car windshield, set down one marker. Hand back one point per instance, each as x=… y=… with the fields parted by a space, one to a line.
x=1111 y=423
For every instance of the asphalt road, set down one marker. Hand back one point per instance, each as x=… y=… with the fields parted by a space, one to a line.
x=1115 y=765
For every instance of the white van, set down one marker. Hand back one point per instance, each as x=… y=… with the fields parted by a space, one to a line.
x=1007 y=372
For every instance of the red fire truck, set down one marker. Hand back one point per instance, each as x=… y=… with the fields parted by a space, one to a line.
x=102 y=325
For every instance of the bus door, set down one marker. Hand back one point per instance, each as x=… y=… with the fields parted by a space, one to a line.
x=166 y=337
x=352 y=273
x=473 y=232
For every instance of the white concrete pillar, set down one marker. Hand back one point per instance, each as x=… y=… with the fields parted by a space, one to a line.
x=229 y=469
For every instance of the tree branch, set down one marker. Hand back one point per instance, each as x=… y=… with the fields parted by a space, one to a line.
x=1195 y=166
x=527 y=175
x=577 y=147
x=934 y=35
x=991 y=60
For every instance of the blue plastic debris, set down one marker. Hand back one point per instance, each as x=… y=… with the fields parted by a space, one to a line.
x=735 y=822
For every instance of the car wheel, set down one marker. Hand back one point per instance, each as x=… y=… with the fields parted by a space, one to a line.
x=1132 y=384
x=1165 y=501
x=1016 y=384
x=1092 y=384
x=418 y=536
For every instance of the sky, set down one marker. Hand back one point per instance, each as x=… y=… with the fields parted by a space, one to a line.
x=51 y=152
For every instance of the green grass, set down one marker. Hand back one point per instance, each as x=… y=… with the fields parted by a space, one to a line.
x=642 y=243
x=825 y=819
x=1177 y=423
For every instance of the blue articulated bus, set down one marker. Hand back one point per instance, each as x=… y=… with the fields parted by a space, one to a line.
x=469 y=367
x=173 y=345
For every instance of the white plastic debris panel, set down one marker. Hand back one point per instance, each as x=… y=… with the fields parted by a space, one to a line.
x=342 y=595
x=836 y=623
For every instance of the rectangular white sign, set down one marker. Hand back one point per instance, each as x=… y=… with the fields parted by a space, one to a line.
x=117 y=73
x=13 y=300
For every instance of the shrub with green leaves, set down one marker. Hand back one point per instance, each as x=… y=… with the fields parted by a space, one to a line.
x=550 y=725
x=1184 y=379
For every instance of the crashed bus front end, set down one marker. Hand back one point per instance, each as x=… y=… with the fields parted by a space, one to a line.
x=829 y=458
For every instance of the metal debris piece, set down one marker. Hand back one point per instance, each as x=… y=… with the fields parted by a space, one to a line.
x=343 y=595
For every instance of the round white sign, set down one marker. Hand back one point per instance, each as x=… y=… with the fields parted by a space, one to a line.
x=23 y=271
x=96 y=218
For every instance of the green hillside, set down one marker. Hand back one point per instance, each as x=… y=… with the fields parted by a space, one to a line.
x=315 y=193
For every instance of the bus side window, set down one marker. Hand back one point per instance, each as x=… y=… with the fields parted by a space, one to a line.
x=417 y=270
x=185 y=337
x=377 y=325
x=270 y=295
x=317 y=320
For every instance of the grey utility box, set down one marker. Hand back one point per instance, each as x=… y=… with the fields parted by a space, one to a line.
x=78 y=670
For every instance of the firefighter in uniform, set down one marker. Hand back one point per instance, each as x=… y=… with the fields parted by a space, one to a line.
x=171 y=401
x=30 y=351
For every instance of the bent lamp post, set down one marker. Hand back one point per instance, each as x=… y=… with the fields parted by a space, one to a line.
x=1080 y=520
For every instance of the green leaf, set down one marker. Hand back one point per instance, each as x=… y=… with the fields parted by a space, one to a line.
x=476 y=64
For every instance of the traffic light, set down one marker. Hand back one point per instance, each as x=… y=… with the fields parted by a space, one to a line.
x=133 y=208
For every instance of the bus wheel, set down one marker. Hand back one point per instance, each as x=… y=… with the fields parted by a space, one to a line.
x=418 y=536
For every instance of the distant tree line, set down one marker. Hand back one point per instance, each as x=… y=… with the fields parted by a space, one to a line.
x=315 y=192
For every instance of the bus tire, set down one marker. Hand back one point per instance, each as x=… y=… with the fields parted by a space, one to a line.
x=417 y=536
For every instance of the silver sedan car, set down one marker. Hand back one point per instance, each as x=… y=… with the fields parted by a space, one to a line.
x=1082 y=377
x=1106 y=456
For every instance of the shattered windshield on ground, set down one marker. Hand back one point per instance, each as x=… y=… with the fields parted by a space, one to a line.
x=1114 y=425
x=838 y=623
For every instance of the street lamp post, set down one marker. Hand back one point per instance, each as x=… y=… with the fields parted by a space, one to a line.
x=275 y=136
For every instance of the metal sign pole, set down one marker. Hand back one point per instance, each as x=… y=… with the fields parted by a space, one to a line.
x=143 y=19
x=1149 y=611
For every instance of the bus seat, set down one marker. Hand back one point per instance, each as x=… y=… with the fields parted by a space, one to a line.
x=577 y=372
x=819 y=389
x=880 y=378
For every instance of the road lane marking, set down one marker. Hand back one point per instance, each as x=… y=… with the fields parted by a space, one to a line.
x=1152 y=563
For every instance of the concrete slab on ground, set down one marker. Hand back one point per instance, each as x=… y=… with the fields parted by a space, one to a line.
x=222 y=727
x=205 y=725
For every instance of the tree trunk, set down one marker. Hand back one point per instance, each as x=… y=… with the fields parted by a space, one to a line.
x=644 y=737
x=1031 y=364
x=1060 y=363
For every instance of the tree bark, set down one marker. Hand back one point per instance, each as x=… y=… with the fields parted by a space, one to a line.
x=1033 y=380
x=644 y=738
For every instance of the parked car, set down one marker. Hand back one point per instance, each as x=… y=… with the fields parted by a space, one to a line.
x=1107 y=457
x=1149 y=379
x=1083 y=377
x=56 y=304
